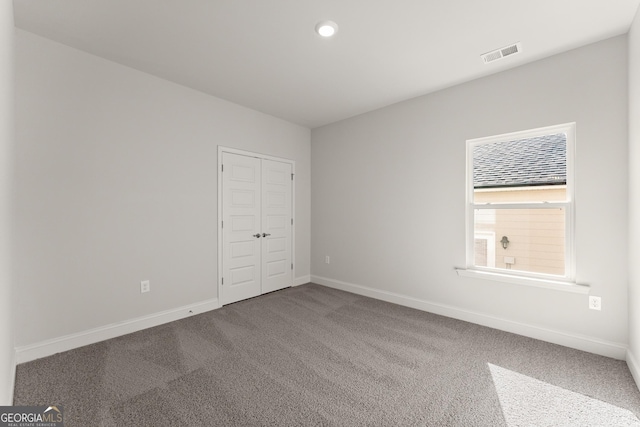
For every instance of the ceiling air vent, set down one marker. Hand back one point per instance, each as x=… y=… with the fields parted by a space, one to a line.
x=503 y=52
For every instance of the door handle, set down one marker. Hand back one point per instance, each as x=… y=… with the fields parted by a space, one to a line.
x=265 y=234
x=256 y=235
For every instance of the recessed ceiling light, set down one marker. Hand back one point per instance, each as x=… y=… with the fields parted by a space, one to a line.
x=326 y=28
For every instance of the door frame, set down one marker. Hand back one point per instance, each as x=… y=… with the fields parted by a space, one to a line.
x=223 y=149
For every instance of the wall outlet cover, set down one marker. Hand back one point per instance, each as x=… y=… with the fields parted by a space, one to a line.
x=145 y=286
x=595 y=303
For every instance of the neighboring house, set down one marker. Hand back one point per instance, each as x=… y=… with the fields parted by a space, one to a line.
x=525 y=170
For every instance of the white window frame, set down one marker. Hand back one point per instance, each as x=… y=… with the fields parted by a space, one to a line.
x=564 y=282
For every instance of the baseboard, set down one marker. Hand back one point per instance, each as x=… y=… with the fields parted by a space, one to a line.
x=633 y=367
x=69 y=342
x=302 y=280
x=12 y=379
x=12 y=382
x=579 y=342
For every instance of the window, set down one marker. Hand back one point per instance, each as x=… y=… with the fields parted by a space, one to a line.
x=484 y=249
x=520 y=203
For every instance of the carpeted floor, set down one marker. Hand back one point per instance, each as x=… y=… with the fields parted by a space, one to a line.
x=312 y=355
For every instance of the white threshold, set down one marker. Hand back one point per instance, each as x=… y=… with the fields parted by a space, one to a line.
x=557 y=285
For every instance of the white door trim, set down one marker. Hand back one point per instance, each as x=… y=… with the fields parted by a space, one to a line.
x=223 y=149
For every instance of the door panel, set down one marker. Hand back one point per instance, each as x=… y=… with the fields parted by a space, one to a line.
x=241 y=193
x=277 y=270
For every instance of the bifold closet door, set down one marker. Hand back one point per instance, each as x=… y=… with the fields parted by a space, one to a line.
x=257 y=226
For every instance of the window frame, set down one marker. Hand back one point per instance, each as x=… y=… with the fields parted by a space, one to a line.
x=569 y=129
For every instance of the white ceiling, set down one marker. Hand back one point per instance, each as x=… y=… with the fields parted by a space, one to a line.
x=264 y=54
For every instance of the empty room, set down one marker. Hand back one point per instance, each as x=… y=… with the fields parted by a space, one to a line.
x=247 y=213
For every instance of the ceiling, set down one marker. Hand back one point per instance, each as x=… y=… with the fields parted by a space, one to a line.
x=265 y=55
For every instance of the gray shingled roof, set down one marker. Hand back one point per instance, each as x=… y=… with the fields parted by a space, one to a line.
x=525 y=162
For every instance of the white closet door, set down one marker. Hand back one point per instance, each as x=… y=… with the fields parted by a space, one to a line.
x=277 y=270
x=257 y=229
x=241 y=230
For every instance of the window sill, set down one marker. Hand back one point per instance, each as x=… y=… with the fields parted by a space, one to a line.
x=556 y=285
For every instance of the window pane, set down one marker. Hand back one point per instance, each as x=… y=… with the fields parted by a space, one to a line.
x=480 y=252
x=523 y=170
x=536 y=239
x=557 y=193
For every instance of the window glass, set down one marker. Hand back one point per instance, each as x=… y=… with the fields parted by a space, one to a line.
x=535 y=239
x=521 y=170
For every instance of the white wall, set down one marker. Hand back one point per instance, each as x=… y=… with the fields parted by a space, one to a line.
x=117 y=181
x=634 y=199
x=7 y=366
x=388 y=196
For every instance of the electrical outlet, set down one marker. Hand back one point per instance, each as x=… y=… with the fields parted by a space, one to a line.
x=326 y=259
x=145 y=286
x=595 y=303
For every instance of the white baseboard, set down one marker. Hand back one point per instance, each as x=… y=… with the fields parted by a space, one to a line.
x=579 y=342
x=11 y=384
x=632 y=363
x=302 y=280
x=69 y=342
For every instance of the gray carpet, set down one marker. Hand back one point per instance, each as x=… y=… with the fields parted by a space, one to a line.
x=312 y=355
